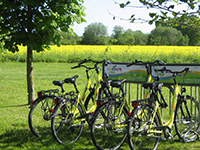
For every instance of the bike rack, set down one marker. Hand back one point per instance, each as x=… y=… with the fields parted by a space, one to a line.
x=136 y=75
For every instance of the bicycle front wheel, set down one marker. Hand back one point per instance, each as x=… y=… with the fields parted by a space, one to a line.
x=39 y=115
x=108 y=128
x=140 y=125
x=187 y=119
x=65 y=125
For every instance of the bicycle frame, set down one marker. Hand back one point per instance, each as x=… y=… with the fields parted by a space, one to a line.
x=146 y=92
x=169 y=124
x=124 y=103
x=80 y=99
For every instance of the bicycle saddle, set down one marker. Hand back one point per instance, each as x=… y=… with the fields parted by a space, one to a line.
x=71 y=80
x=117 y=84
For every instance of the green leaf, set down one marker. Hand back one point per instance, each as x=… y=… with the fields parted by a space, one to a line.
x=132 y=15
x=164 y=13
x=192 y=6
x=128 y=2
x=151 y=22
x=132 y=20
x=122 y=5
x=185 y=1
x=174 y=14
x=171 y=7
x=152 y=14
x=157 y=23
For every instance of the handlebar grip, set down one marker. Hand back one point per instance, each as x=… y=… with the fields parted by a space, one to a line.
x=75 y=77
x=83 y=62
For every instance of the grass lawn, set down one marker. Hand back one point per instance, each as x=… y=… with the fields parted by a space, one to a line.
x=14 y=130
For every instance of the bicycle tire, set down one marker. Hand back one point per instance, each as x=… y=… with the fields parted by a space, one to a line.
x=104 y=135
x=187 y=122
x=65 y=130
x=39 y=115
x=138 y=126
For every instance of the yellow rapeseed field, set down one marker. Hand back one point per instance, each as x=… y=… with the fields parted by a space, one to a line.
x=74 y=53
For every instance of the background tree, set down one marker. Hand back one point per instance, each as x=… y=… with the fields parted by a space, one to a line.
x=69 y=38
x=117 y=34
x=192 y=31
x=127 y=37
x=121 y=36
x=140 y=38
x=95 y=34
x=35 y=24
x=167 y=36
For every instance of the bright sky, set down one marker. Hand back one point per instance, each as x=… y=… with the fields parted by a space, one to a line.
x=98 y=11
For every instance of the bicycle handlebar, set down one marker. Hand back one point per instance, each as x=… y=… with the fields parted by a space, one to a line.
x=164 y=69
x=146 y=63
x=90 y=60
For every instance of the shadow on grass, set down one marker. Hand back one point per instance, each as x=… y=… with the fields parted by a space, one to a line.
x=24 y=139
x=22 y=105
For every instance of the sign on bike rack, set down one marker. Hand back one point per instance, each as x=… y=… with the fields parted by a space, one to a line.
x=137 y=73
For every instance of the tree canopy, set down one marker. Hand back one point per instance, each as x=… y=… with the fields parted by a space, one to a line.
x=35 y=23
x=167 y=36
x=95 y=34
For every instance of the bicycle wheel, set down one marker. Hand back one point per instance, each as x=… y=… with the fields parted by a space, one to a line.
x=187 y=119
x=65 y=128
x=39 y=115
x=108 y=128
x=139 y=135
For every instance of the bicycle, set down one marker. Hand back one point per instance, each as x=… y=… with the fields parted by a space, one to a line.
x=167 y=89
x=42 y=108
x=108 y=124
x=69 y=116
x=117 y=104
x=146 y=125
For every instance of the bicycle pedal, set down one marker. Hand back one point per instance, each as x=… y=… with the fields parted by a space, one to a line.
x=83 y=116
x=177 y=140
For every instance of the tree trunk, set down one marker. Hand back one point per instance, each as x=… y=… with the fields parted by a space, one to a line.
x=30 y=78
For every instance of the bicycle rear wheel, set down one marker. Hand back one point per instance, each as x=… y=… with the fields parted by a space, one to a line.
x=139 y=127
x=39 y=115
x=65 y=127
x=108 y=128
x=187 y=119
